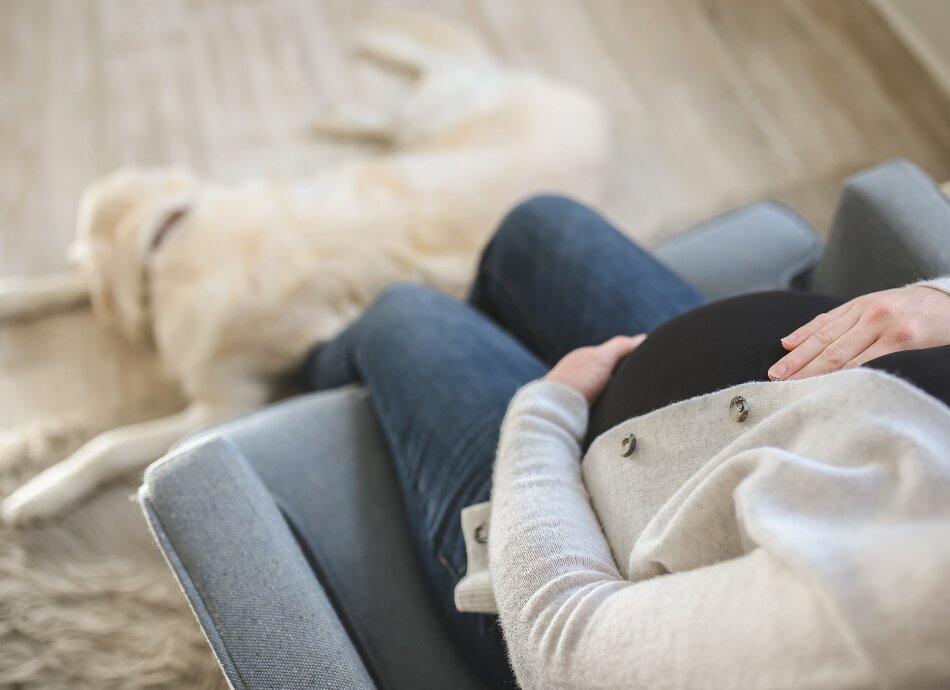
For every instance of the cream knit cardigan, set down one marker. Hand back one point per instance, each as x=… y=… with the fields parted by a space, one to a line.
x=807 y=546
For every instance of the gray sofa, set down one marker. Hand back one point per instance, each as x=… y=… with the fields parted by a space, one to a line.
x=286 y=529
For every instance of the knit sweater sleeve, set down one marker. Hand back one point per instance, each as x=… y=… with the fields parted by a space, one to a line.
x=942 y=284
x=544 y=542
x=572 y=621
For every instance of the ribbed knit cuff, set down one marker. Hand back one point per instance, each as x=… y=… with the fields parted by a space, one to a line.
x=562 y=404
x=942 y=284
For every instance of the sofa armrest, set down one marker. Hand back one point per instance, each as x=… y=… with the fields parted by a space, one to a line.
x=763 y=246
x=892 y=228
x=258 y=601
x=324 y=461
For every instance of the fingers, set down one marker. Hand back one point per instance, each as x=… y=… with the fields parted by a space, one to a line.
x=827 y=349
x=840 y=353
x=620 y=345
x=878 y=349
x=800 y=335
x=587 y=369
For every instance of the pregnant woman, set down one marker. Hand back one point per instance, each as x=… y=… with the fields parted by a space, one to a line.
x=751 y=493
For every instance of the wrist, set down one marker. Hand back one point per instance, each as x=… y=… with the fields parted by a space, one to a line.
x=938 y=284
x=552 y=400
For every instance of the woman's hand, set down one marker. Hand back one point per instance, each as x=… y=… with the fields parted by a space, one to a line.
x=867 y=327
x=587 y=369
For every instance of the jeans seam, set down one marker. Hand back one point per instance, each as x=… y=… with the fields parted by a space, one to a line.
x=440 y=530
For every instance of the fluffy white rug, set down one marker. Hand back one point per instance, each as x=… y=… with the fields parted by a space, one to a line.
x=87 y=601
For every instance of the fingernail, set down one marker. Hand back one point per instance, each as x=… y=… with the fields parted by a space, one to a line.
x=789 y=339
x=778 y=371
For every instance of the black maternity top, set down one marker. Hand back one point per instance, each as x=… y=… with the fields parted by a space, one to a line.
x=733 y=341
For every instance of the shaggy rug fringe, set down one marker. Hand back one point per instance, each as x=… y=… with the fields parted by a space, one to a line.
x=86 y=601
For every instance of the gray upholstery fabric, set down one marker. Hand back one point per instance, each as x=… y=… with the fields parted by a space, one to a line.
x=892 y=227
x=268 y=622
x=323 y=460
x=764 y=246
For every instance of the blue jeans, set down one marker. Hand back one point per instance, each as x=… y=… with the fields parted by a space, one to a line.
x=555 y=276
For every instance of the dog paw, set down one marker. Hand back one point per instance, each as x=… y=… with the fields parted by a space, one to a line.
x=44 y=496
x=21 y=508
x=16 y=510
x=355 y=121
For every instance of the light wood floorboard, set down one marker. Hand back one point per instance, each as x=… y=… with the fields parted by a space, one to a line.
x=714 y=103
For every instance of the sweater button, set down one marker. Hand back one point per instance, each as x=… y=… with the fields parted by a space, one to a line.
x=628 y=445
x=739 y=408
x=481 y=533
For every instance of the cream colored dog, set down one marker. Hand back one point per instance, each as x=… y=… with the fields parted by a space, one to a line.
x=233 y=284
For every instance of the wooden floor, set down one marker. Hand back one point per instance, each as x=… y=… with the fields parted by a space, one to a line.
x=714 y=103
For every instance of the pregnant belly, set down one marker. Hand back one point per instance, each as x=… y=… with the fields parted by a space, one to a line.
x=714 y=346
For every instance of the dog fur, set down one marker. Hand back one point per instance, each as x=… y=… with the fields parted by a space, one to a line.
x=232 y=285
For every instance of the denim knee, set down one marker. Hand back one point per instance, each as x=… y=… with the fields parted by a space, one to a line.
x=403 y=304
x=535 y=223
x=405 y=295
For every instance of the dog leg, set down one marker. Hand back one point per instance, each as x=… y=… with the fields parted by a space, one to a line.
x=415 y=41
x=410 y=41
x=356 y=121
x=105 y=457
x=27 y=296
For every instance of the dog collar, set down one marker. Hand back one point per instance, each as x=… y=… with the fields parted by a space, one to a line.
x=163 y=230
